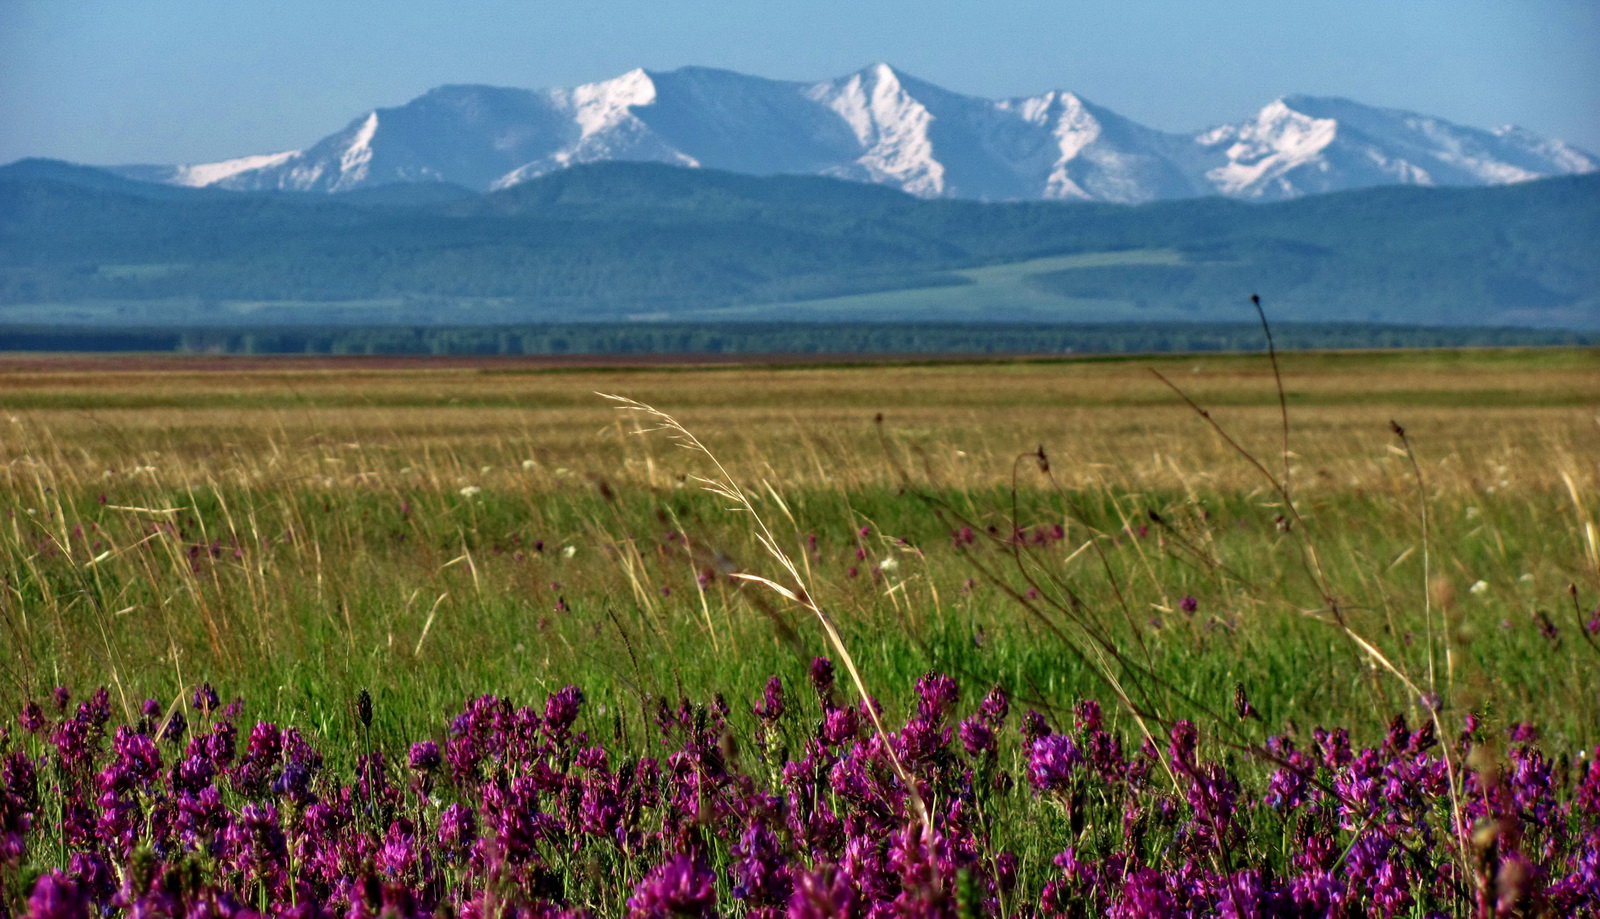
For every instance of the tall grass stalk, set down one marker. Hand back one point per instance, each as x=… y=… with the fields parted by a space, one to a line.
x=724 y=486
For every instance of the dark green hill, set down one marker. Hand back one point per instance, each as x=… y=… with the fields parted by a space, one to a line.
x=619 y=240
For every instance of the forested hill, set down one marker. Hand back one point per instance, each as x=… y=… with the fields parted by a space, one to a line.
x=632 y=240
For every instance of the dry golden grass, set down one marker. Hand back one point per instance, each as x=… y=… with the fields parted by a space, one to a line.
x=1491 y=422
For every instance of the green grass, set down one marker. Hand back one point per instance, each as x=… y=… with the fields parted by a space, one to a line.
x=312 y=538
x=993 y=292
x=331 y=592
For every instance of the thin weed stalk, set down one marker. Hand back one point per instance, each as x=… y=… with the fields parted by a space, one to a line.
x=725 y=487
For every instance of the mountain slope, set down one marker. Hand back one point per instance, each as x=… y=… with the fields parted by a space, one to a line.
x=1305 y=145
x=618 y=240
x=882 y=126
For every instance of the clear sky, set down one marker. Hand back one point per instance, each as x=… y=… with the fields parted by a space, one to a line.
x=123 y=81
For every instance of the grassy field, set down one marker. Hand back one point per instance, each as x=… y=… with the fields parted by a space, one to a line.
x=336 y=493
x=296 y=532
x=993 y=292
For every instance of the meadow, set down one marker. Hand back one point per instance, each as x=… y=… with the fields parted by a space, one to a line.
x=384 y=559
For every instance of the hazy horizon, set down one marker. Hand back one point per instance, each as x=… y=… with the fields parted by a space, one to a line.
x=168 y=81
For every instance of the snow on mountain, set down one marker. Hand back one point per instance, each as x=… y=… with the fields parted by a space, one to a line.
x=1305 y=144
x=880 y=125
x=890 y=125
x=204 y=174
x=1096 y=154
x=607 y=129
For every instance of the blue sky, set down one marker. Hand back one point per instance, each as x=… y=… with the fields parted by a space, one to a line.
x=120 y=81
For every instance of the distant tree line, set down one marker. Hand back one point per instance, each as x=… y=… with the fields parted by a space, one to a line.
x=773 y=338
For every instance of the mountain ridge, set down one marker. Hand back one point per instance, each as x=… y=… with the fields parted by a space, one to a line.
x=618 y=241
x=883 y=126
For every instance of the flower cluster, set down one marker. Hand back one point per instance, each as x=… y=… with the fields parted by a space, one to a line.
x=805 y=812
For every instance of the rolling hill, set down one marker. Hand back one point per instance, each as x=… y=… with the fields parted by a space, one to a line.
x=617 y=241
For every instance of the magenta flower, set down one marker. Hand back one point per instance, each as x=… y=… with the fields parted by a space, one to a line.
x=561 y=713
x=679 y=887
x=499 y=818
x=995 y=707
x=771 y=707
x=1033 y=727
x=205 y=698
x=424 y=756
x=977 y=738
x=824 y=894
x=936 y=694
x=1051 y=760
x=57 y=897
x=821 y=675
x=31 y=717
x=839 y=726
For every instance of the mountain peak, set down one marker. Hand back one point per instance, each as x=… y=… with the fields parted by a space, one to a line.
x=603 y=105
x=635 y=81
x=880 y=70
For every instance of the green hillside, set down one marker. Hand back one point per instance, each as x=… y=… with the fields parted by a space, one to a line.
x=622 y=241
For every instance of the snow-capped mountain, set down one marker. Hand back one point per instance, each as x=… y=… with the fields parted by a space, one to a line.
x=1303 y=144
x=881 y=125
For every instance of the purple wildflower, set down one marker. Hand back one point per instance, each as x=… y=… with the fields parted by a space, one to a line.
x=771 y=707
x=561 y=713
x=821 y=675
x=936 y=694
x=458 y=829
x=679 y=887
x=977 y=737
x=1086 y=715
x=839 y=726
x=824 y=894
x=205 y=698
x=760 y=871
x=995 y=707
x=424 y=756
x=57 y=897
x=1051 y=760
x=175 y=726
x=31 y=717
x=1033 y=727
